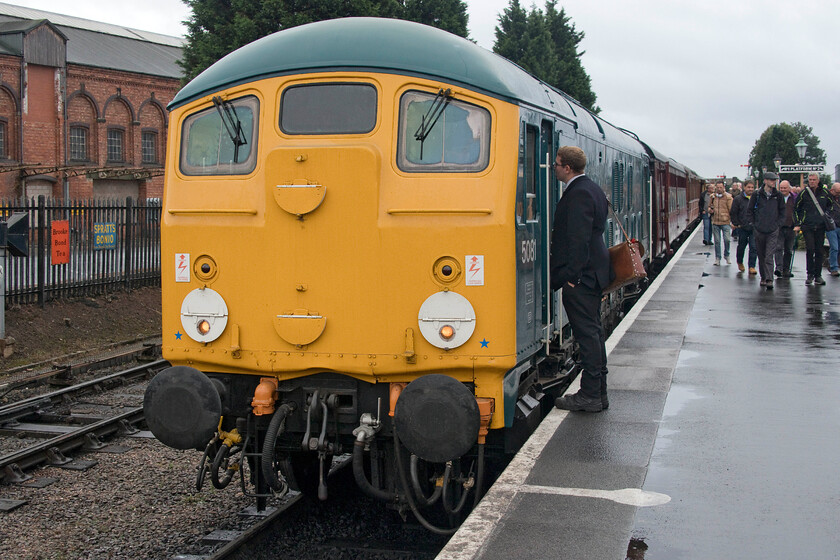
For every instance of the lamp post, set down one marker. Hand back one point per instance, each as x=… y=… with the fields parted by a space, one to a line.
x=777 y=161
x=801 y=148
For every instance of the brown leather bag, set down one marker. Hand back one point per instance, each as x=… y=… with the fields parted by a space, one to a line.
x=625 y=261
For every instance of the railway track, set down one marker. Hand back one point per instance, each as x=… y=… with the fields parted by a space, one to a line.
x=61 y=430
x=62 y=370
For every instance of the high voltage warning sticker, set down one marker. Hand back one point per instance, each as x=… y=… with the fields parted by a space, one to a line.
x=182 y=267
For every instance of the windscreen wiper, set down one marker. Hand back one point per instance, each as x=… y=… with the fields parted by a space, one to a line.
x=430 y=119
x=232 y=124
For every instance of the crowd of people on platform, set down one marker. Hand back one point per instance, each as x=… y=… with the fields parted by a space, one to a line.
x=769 y=221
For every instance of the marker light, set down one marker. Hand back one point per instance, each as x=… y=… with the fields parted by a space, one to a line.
x=204 y=315
x=446 y=320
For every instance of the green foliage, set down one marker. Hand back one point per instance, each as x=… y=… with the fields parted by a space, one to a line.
x=546 y=45
x=781 y=139
x=218 y=27
x=449 y=15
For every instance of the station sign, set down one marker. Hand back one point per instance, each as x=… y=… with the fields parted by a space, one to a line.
x=104 y=235
x=803 y=168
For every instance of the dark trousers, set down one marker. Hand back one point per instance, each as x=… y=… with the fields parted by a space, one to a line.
x=784 y=249
x=814 y=240
x=583 y=308
x=745 y=238
x=766 y=245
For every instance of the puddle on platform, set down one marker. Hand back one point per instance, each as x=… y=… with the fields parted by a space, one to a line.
x=678 y=397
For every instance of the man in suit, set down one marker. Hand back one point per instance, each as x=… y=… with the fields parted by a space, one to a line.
x=580 y=265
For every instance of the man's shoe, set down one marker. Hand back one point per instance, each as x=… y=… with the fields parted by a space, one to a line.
x=819 y=280
x=727 y=260
x=809 y=280
x=580 y=402
x=788 y=275
x=835 y=273
x=717 y=262
x=741 y=267
x=778 y=273
x=769 y=284
x=753 y=271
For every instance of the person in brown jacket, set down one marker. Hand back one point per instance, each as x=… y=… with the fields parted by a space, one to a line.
x=719 y=207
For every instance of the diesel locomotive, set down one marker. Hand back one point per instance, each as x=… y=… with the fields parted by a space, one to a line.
x=355 y=241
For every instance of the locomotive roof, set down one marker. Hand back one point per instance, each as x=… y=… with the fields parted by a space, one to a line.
x=376 y=44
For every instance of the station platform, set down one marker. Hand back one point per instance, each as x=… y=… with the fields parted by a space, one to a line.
x=721 y=440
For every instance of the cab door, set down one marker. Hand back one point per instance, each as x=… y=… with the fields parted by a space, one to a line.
x=533 y=235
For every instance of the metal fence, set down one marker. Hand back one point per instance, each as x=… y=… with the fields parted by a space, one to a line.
x=83 y=248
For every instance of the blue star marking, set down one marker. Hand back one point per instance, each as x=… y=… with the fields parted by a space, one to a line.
x=178 y=335
x=484 y=343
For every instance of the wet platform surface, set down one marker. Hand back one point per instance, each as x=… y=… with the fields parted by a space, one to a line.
x=721 y=440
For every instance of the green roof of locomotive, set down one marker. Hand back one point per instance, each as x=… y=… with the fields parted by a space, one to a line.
x=376 y=45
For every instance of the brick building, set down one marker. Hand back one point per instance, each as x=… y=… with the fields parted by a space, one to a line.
x=82 y=106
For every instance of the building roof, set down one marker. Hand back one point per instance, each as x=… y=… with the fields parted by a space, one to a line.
x=93 y=43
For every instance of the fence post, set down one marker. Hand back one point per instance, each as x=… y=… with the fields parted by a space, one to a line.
x=129 y=234
x=42 y=249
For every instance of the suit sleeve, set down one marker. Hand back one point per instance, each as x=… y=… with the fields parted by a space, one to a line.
x=780 y=219
x=735 y=211
x=798 y=211
x=575 y=242
x=751 y=210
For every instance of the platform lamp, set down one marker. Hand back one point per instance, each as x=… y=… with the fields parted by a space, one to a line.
x=801 y=148
x=777 y=161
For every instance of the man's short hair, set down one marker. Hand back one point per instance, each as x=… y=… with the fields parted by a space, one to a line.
x=573 y=157
x=749 y=183
x=817 y=175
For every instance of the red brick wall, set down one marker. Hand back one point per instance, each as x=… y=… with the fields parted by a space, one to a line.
x=96 y=97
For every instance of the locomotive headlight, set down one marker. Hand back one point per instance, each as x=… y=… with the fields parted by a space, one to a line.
x=446 y=320
x=204 y=315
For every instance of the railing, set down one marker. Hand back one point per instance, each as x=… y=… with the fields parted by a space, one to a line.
x=83 y=248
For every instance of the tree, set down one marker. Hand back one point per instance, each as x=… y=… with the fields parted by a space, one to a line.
x=781 y=139
x=546 y=45
x=571 y=76
x=218 y=27
x=449 y=15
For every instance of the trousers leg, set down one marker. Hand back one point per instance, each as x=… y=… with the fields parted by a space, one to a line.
x=779 y=253
x=716 y=235
x=743 y=241
x=761 y=245
x=819 y=241
x=833 y=238
x=810 y=249
x=582 y=305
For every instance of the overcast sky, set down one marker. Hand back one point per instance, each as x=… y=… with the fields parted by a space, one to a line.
x=698 y=80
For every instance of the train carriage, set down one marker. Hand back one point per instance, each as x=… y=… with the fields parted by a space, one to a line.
x=355 y=238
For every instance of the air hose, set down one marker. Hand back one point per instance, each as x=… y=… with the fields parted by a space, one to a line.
x=361 y=479
x=411 y=503
x=275 y=428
